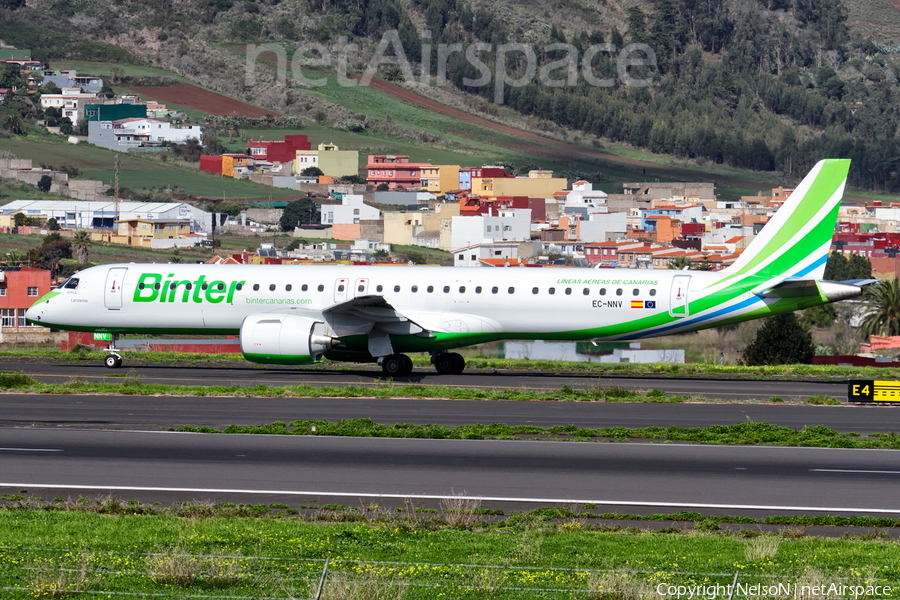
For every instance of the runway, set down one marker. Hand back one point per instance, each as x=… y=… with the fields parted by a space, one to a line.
x=616 y=476
x=73 y=445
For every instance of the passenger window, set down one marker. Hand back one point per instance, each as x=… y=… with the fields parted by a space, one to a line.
x=321 y=288
x=618 y=291
x=221 y=287
x=288 y=287
x=379 y=288
x=494 y=289
x=255 y=287
x=551 y=291
x=512 y=290
x=204 y=286
x=340 y=287
x=272 y=287
x=396 y=288
x=446 y=289
x=534 y=290
x=478 y=290
x=361 y=288
x=462 y=289
x=188 y=286
x=414 y=289
x=568 y=291
x=602 y=291
x=155 y=286
x=239 y=287
x=653 y=292
x=430 y=289
x=304 y=287
x=586 y=291
x=635 y=292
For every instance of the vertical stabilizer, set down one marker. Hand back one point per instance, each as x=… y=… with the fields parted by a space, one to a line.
x=795 y=242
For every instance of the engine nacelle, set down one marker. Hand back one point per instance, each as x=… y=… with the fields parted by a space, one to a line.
x=284 y=339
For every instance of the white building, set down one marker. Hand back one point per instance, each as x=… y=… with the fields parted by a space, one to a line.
x=135 y=132
x=70 y=101
x=584 y=194
x=351 y=210
x=76 y=214
x=509 y=226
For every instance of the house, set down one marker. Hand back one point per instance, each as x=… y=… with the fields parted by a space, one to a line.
x=538 y=184
x=394 y=171
x=345 y=217
x=332 y=161
x=136 y=132
x=20 y=287
x=102 y=214
x=507 y=226
x=68 y=78
x=114 y=112
x=283 y=152
x=439 y=179
x=71 y=102
x=492 y=172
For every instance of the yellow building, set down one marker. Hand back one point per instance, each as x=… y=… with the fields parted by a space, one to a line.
x=538 y=184
x=330 y=159
x=142 y=232
x=230 y=161
x=440 y=179
x=401 y=227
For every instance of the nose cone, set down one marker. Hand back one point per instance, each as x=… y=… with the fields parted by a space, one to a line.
x=36 y=313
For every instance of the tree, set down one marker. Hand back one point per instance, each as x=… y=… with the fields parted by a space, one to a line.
x=382 y=187
x=52 y=224
x=176 y=257
x=882 y=312
x=352 y=179
x=44 y=183
x=50 y=88
x=842 y=267
x=210 y=141
x=298 y=212
x=381 y=255
x=312 y=172
x=81 y=243
x=20 y=219
x=680 y=262
x=782 y=340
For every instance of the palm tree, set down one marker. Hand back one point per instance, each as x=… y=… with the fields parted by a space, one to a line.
x=680 y=262
x=81 y=243
x=882 y=316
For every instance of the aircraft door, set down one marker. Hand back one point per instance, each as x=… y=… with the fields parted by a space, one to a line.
x=341 y=290
x=678 y=299
x=361 y=288
x=113 y=294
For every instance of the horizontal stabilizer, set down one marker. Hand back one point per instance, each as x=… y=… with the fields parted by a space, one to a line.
x=799 y=288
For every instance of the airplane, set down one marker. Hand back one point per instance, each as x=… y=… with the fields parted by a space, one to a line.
x=296 y=315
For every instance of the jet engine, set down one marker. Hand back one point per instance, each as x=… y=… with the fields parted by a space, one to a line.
x=284 y=339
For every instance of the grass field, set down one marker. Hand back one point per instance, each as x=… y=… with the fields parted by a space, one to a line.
x=411 y=554
x=135 y=173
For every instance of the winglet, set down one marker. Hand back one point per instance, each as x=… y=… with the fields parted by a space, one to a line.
x=795 y=242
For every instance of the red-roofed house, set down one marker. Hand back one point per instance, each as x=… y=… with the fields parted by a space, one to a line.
x=283 y=152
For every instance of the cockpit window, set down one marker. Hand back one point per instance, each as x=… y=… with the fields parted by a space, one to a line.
x=72 y=283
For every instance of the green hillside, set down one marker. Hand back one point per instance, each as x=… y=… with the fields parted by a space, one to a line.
x=767 y=86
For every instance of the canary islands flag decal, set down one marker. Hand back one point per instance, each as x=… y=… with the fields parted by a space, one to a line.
x=643 y=304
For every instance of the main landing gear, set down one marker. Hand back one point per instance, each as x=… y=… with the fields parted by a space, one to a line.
x=445 y=363
x=448 y=363
x=396 y=365
x=113 y=360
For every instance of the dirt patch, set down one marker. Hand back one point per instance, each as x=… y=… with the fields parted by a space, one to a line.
x=197 y=98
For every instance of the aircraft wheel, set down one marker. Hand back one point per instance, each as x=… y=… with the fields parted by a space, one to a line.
x=113 y=361
x=444 y=364
x=396 y=365
x=459 y=363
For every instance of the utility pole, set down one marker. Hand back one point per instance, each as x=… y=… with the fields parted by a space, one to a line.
x=117 y=192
